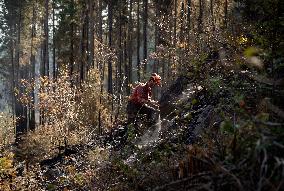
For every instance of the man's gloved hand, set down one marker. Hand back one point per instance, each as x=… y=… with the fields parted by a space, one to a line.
x=154 y=104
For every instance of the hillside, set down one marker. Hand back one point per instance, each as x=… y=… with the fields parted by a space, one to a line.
x=208 y=76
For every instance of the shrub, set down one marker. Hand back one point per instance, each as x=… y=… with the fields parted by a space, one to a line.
x=6 y=130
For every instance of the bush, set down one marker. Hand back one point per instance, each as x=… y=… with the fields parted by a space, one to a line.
x=6 y=130
x=69 y=115
x=7 y=171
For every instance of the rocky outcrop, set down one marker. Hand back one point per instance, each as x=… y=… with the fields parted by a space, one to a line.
x=171 y=94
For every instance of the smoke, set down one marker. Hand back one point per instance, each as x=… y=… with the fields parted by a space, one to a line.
x=151 y=135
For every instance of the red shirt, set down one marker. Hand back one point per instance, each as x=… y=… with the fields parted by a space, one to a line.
x=140 y=92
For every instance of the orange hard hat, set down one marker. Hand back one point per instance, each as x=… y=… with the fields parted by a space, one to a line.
x=156 y=78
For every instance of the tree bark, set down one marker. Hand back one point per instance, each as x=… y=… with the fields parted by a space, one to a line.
x=200 y=16
x=145 y=23
x=120 y=57
x=91 y=35
x=100 y=65
x=182 y=27
x=53 y=41
x=188 y=20
x=32 y=71
x=118 y=75
x=175 y=22
x=46 y=36
x=21 y=123
x=84 y=44
x=225 y=12
x=110 y=22
x=71 y=58
x=130 y=26
x=12 y=49
x=138 y=41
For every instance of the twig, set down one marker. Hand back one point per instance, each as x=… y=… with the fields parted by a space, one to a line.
x=268 y=123
x=280 y=185
x=263 y=170
x=180 y=181
x=234 y=177
x=274 y=108
x=278 y=144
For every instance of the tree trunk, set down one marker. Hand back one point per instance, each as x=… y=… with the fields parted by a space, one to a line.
x=110 y=86
x=138 y=40
x=188 y=20
x=110 y=21
x=21 y=123
x=175 y=22
x=125 y=59
x=100 y=65
x=84 y=44
x=200 y=16
x=46 y=36
x=53 y=41
x=32 y=70
x=130 y=80
x=91 y=35
x=72 y=59
x=157 y=33
x=169 y=58
x=181 y=38
x=175 y=32
x=120 y=56
x=211 y=8
x=225 y=12
x=13 y=78
x=145 y=23
x=182 y=12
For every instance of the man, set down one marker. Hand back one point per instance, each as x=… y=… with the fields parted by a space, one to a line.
x=140 y=101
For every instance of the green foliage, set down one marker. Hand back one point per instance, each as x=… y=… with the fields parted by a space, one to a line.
x=263 y=116
x=250 y=51
x=214 y=84
x=227 y=127
x=51 y=187
x=267 y=28
x=194 y=101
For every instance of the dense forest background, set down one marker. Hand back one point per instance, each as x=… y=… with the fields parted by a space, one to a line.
x=68 y=67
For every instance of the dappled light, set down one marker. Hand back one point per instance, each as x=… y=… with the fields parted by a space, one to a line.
x=141 y=95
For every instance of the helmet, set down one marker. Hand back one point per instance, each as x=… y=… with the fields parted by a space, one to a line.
x=156 y=78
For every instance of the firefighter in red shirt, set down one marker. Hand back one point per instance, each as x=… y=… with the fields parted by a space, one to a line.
x=140 y=101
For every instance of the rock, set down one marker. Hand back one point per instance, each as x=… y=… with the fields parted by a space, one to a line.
x=204 y=119
x=171 y=94
x=117 y=137
x=20 y=168
x=52 y=173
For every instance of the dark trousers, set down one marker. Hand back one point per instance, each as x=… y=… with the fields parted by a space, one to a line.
x=134 y=111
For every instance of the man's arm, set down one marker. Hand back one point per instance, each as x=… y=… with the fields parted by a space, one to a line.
x=153 y=103
x=141 y=99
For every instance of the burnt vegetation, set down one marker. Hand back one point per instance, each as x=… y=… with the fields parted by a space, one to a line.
x=68 y=67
